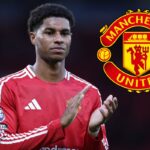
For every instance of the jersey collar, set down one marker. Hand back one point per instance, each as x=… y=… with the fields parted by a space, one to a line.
x=31 y=72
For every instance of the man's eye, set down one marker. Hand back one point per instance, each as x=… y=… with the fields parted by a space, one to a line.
x=66 y=33
x=49 y=32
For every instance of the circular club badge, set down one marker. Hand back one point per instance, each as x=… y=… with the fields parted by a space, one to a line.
x=103 y=54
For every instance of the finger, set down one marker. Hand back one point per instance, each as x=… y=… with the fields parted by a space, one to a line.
x=112 y=101
x=80 y=97
x=110 y=97
x=68 y=103
x=85 y=89
x=109 y=105
x=109 y=101
x=76 y=100
x=115 y=101
x=81 y=94
x=112 y=105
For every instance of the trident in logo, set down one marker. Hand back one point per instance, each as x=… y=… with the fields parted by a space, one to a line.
x=138 y=57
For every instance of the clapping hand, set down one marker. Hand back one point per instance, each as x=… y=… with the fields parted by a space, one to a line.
x=102 y=114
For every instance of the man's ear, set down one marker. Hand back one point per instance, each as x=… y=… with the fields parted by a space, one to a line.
x=32 y=37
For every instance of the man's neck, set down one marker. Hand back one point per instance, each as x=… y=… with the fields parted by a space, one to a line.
x=52 y=72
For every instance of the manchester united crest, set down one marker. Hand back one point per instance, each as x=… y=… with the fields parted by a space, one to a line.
x=135 y=51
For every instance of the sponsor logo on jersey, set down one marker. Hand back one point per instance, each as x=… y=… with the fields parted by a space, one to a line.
x=33 y=105
x=57 y=148
x=3 y=127
x=133 y=28
x=2 y=115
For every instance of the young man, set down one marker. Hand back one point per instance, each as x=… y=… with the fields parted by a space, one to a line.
x=46 y=107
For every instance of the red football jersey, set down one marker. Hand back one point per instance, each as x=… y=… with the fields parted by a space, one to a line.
x=30 y=112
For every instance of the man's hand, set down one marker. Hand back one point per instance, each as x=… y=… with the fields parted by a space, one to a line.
x=102 y=114
x=73 y=107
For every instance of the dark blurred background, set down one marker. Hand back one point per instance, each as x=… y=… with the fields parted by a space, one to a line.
x=129 y=128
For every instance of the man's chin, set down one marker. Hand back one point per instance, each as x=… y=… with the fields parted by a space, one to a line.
x=55 y=59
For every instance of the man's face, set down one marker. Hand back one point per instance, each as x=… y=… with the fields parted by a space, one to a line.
x=52 y=39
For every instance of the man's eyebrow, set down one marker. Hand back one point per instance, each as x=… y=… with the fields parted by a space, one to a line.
x=64 y=29
x=49 y=28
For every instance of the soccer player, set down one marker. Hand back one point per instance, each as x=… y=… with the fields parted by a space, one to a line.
x=46 y=107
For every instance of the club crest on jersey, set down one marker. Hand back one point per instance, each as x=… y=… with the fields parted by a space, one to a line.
x=2 y=116
x=133 y=28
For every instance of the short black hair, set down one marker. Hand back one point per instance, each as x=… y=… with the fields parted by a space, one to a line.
x=44 y=11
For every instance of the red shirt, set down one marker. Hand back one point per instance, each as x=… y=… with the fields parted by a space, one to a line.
x=30 y=111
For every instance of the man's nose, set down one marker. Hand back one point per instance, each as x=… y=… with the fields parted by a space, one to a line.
x=58 y=38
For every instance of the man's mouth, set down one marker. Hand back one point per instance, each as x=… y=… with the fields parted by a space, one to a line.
x=57 y=49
